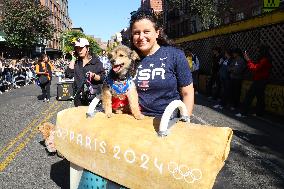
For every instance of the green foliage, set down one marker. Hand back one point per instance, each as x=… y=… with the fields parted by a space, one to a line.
x=175 y=3
x=207 y=10
x=25 y=23
x=94 y=46
x=68 y=38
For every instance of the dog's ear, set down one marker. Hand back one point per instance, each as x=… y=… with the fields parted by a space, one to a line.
x=109 y=55
x=134 y=56
x=40 y=128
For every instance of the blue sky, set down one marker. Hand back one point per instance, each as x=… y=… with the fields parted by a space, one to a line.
x=101 y=18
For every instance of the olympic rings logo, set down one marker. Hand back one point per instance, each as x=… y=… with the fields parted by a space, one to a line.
x=183 y=172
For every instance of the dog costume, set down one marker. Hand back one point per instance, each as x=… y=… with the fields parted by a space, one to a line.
x=119 y=88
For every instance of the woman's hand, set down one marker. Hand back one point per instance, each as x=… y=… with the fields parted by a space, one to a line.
x=94 y=76
x=73 y=60
x=246 y=57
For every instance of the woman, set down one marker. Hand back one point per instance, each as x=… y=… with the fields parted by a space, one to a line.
x=261 y=71
x=44 y=69
x=225 y=79
x=164 y=74
x=81 y=66
x=214 y=82
x=193 y=62
x=237 y=70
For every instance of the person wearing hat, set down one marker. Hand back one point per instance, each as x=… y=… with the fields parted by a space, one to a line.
x=82 y=67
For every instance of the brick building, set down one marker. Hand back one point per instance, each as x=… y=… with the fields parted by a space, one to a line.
x=1 y=8
x=179 y=21
x=156 y=5
x=240 y=10
x=60 y=19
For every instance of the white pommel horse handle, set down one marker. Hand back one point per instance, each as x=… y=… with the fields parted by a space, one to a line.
x=75 y=170
x=164 y=124
x=75 y=175
x=91 y=109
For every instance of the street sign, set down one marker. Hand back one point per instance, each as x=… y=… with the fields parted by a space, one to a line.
x=270 y=5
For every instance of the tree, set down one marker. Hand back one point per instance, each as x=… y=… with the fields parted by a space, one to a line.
x=68 y=38
x=207 y=10
x=26 y=24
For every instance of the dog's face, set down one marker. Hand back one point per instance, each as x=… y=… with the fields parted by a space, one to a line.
x=121 y=59
x=45 y=129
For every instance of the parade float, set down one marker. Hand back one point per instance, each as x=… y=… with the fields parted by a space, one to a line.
x=149 y=153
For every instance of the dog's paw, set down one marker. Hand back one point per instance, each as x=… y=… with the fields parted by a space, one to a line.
x=108 y=115
x=139 y=116
x=118 y=112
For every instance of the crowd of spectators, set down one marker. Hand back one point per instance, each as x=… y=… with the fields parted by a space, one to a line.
x=229 y=68
x=15 y=73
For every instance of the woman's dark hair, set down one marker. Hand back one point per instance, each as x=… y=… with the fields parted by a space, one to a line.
x=42 y=56
x=229 y=52
x=217 y=49
x=149 y=15
x=264 y=52
x=237 y=51
x=188 y=49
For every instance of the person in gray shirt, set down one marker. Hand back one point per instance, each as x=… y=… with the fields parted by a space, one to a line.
x=237 y=70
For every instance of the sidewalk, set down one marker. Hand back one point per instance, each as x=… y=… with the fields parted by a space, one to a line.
x=272 y=119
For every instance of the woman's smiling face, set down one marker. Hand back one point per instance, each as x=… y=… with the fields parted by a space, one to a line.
x=144 y=36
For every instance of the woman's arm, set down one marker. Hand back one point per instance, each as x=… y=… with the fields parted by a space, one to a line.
x=72 y=62
x=187 y=94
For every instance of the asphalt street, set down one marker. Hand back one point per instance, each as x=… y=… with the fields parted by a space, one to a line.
x=256 y=158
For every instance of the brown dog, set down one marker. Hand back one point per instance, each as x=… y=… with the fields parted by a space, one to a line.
x=119 y=91
x=47 y=130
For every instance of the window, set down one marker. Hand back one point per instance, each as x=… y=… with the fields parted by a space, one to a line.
x=193 y=26
x=256 y=11
x=240 y=16
x=227 y=20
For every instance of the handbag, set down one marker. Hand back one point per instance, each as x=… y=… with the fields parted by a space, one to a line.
x=43 y=79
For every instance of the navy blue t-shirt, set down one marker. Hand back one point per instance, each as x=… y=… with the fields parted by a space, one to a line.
x=159 y=77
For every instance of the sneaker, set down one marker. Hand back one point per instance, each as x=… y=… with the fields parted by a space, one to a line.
x=47 y=100
x=216 y=106
x=239 y=115
x=257 y=115
x=44 y=100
